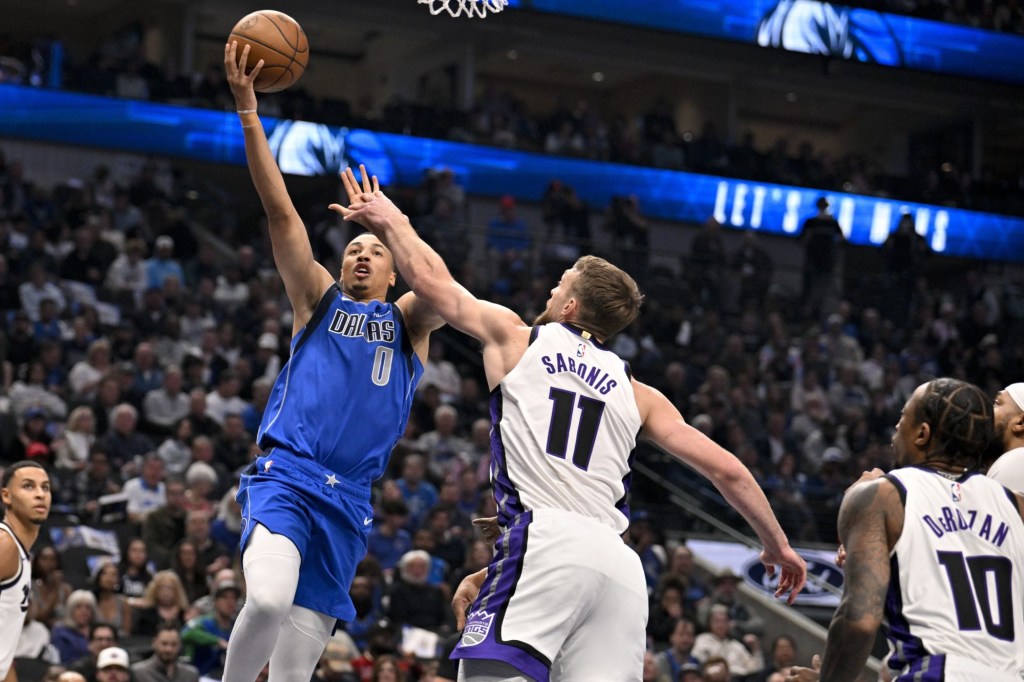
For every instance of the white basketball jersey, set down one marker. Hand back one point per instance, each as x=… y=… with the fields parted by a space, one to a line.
x=565 y=423
x=13 y=604
x=956 y=589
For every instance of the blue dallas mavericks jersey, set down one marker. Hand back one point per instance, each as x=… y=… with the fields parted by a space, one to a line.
x=343 y=398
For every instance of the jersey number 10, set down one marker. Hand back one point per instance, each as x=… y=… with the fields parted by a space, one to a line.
x=591 y=412
x=969 y=581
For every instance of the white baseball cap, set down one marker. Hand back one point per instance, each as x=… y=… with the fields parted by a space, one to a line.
x=112 y=656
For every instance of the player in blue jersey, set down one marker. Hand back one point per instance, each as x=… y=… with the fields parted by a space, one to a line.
x=564 y=598
x=335 y=412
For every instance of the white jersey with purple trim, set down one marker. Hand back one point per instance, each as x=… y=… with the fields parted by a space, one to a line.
x=14 y=594
x=955 y=596
x=565 y=423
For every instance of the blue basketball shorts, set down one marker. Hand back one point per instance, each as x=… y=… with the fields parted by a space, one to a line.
x=327 y=518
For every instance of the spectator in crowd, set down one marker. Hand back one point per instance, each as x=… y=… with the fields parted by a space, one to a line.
x=135 y=570
x=442 y=373
x=127 y=277
x=414 y=601
x=742 y=621
x=112 y=665
x=85 y=376
x=164 y=527
x=71 y=635
x=508 y=244
x=164 y=601
x=101 y=636
x=176 y=449
x=112 y=607
x=162 y=264
x=38 y=288
x=122 y=442
x=206 y=636
x=667 y=607
x=389 y=540
x=50 y=591
x=164 y=407
x=419 y=494
x=783 y=657
x=192 y=574
x=682 y=569
x=670 y=662
x=822 y=237
x=213 y=556
x=97 y=479
x=72 y=449
x=368 y=610
x=443 y=448
x=147 y=491
x=163 y=665
x=743 y=658
x=225 y=400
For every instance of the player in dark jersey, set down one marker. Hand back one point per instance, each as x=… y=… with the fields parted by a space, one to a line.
x=336 y=410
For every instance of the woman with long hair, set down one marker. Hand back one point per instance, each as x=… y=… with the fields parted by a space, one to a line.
x=49 y=589
x=71 y=635
x=135 y=573
x=165 y=601
x=111 y=606
x=188 y=569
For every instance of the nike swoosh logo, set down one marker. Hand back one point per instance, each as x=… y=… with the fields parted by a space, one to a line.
x=367 y=521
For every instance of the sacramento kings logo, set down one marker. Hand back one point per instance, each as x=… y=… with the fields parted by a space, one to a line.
x=477 y=626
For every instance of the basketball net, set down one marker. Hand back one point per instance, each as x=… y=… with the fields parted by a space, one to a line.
x=469 y=8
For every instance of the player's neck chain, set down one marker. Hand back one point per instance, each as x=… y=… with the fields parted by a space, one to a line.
x=950 y=475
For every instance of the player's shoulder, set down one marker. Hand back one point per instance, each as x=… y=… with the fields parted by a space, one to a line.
x=10 y=556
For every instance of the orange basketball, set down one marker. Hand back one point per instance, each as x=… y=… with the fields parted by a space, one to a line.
x=279 y=41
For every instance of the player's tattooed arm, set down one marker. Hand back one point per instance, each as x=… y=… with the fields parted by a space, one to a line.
x=864 y=532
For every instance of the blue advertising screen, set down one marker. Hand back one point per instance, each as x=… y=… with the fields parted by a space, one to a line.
x=823 y=28
x=307 y=148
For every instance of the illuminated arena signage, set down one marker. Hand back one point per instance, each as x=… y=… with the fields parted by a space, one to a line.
x=822 y=28
x=307 y=148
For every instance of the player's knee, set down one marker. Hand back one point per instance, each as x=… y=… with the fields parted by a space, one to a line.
x=267 y=604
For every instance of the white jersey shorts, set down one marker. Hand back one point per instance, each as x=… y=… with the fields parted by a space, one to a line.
x=564 y=599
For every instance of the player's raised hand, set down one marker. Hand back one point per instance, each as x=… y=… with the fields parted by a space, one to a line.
x=360 y=194
x=240 y=82
x=369 y=207
x=793 y=575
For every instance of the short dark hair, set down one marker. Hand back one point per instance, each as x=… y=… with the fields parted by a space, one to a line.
x=98 y=625
x=21 y=464
x=165 y=625
x=609 y=298
x=960 y=417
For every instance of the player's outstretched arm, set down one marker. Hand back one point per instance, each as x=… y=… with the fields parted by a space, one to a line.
x=305 y=280
x=863 y=519
x=664 y=426
x=422 y=267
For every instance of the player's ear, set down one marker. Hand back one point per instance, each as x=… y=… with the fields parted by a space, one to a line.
x=924 y=434
x=1017 y=424
x=392 y=279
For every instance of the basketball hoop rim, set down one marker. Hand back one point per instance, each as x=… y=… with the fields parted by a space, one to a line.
x=478 y=9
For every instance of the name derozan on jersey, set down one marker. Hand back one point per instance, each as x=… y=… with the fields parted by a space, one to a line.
x=950 y=520
x=596 y=377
